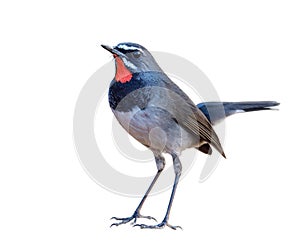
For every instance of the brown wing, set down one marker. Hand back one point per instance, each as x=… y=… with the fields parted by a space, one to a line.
x=190 y=117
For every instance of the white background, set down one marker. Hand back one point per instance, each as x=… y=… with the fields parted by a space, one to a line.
x=249 y=50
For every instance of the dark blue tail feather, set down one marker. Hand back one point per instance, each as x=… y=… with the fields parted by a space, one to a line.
x=217 y=111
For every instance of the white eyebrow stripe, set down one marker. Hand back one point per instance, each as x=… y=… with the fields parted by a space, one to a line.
x=125 y=47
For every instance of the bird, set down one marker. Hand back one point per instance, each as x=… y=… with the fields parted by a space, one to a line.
x=162 y=117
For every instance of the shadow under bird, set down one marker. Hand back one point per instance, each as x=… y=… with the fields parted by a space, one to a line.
x=157 y=113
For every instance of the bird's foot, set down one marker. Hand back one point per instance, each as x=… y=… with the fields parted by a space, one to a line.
x=161 y=225
x=134 y=217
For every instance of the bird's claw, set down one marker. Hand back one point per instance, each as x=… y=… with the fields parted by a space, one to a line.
x=158 y=226
x=132 y=218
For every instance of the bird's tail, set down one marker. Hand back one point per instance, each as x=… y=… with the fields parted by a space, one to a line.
x=216 y=111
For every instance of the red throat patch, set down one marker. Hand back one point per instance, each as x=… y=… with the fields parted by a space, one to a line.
x=123 y=75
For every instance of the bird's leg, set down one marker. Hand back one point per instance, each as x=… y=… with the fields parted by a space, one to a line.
x=160 y=163
x=177 y=169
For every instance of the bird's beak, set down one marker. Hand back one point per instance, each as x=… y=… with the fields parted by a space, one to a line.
x=112 y=50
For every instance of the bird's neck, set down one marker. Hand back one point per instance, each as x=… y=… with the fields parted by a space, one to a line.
x=127 y=95
x=123 y=74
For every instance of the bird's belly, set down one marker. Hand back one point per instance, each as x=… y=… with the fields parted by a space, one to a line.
x=138 y=124
x=156 y=130
x=125 y=118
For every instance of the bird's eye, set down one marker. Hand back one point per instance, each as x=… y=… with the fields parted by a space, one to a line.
x=136 y=54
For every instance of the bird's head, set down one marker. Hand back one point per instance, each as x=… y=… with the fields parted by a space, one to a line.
x=131 y=58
